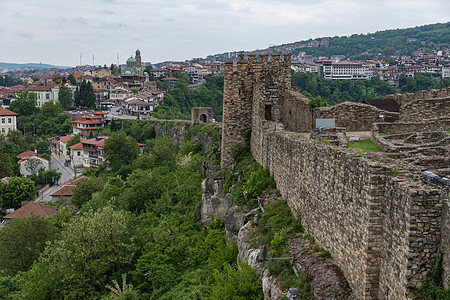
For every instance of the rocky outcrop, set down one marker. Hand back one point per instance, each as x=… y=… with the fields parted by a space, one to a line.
x=250 y=255
x=214 y=203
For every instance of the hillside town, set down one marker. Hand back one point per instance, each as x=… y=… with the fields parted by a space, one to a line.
x=226 y=177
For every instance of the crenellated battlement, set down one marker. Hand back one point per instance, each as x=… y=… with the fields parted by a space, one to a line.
x=247 y=79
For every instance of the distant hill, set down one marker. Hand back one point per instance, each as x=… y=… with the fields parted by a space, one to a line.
x=31 y=65
x=387 y=42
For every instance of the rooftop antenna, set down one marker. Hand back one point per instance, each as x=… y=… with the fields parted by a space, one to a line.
x=81 y=56
x=93 y=64
x=117 y=59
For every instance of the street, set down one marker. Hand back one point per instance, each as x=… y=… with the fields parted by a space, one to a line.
x=66 y=174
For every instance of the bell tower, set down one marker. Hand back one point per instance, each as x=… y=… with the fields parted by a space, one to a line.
x=138 y=58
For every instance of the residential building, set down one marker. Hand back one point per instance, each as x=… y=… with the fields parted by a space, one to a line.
x=89 y=124
x=7 y=121
x=66 y=191
x=119 y=93
x=77 y=157
x=30 y=210
x=93 y=151
x=30 y=162
x=343 y=70
x=45 y=93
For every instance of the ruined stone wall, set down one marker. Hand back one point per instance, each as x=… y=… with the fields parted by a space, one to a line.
x=428 y=94
x=296 y=115
x=445 y=243
x=439 y=124
x=421 y=109
x=382 y=231
x=353 y=116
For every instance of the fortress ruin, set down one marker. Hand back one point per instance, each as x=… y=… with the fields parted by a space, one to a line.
x=382 y=224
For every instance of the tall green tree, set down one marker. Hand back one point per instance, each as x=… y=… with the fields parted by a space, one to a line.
x=93 y=249
x=17 y=190
x=25 y=103
x=6 y=169
x=72 y=79
x=65 y=97
x=84 y=95
x=22 y=241
x=120 y=150
x=84 y=190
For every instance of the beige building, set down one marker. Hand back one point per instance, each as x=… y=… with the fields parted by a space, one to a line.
x=7 y=121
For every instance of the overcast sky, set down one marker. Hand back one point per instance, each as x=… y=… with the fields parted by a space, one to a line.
x=57 y=31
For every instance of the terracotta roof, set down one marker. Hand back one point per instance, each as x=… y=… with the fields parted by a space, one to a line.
x=66 y=138
x=86 y=122
x=78 y=146
x=97 y=141
x=24 y=159
x=32 y=209
x=66 y=188
x=5 y=112
x=45 y=88
x=27 y=154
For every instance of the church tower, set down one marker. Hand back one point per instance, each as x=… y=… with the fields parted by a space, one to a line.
x=138 y=58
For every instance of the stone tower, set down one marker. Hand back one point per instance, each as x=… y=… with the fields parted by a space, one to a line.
x=252 y=90
x=138 y=58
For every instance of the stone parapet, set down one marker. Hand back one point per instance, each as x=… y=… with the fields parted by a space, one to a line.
x=381 y=230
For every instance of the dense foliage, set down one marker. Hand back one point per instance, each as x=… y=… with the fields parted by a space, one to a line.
x=84 y=95
x=137 y=234
x=179 y=100
x=337 y=91
x=388 y=42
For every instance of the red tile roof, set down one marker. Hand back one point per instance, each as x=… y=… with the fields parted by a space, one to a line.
x=66 y=189
x=66 y=138
x=78 y=146
x=32 y=209
x=5 y=112
x=27 y=154
x=45 y=88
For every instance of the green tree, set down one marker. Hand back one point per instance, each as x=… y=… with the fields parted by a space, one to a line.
x=57 y=79
x=242 y=283
x=317 y=102
x=92 y=250
x=25 y=103
x=17 y=190
x=65 y=97
x=22 y=241
x=67 y=126
x=73 y=141
x=72 y=79
x=6 y=169
x=84 y=190
x=84 y=95
x=120 y=150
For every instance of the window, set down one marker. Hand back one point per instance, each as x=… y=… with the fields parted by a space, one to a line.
x=3 y=130
x=3 y=120
x=78 y=153
x=47 y=96
x=9 y=120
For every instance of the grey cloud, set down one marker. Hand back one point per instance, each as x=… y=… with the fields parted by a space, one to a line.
x=107 y=12
x=23 y=34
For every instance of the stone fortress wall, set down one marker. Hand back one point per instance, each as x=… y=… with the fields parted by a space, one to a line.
x=382 y=230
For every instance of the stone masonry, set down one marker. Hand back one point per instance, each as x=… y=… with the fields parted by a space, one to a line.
x=381 y=224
